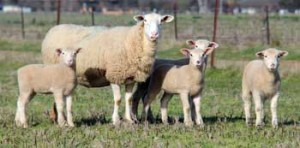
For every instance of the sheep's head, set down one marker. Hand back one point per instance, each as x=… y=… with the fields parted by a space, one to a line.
x=67 y=56
x=201 y=44
x=197 y=57
x=271 y=57
x=152 y=24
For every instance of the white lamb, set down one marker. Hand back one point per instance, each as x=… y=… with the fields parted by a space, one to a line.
x=142 y=87
x=185 y=80
x=59 y=79
x=261 y=80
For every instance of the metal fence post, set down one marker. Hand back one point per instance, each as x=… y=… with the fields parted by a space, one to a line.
x=212 y=60
x=58 y=12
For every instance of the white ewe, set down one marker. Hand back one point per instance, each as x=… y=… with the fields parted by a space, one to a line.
x=115 y=56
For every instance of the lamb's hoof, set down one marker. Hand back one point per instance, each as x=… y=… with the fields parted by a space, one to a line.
x=117 y=122
x=202 y=125
x=166 y=123
x=275 y=124
x=71 y=124
x=23 y=125
x=189 y=123
x=129 y=121
x=260 y=125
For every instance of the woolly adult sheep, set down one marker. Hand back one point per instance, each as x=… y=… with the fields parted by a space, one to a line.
x=120 y=55
x=185 y=80
x=261 y=80
x=142 y=87
x=59 y=79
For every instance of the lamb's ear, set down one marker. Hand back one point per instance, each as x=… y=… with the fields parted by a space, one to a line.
x=213 y=45
x=185 y=51
x=166 y=18
x=209 y=50
x=58 y=51
x=282 y=53
x=260 y=54
x=78 y=50
x=190 y=43
x=138 y=18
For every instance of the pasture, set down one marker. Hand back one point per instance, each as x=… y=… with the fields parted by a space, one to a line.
x=240 y=37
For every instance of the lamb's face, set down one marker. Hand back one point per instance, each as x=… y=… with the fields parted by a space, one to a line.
x=197 y=57
x=152 y=24
x=271 y=57
x=67 y=56
x=201 y=44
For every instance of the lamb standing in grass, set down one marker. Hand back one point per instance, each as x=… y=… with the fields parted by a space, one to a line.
x=142 y=87
x=186 y=80
x=115 y=56
x=59 y=79
x=261 y=80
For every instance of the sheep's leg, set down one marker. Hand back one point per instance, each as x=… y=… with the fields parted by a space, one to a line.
x=186 y=109
x=69 y=111
x=139 y=93
x=164 y=107
x=258 y=108
x=117 y=101
x=59 y=101
x=247 y=106
x=147 y=101
x=274 y=110
x=197 y=105
x=128 y=98
x=20 y=119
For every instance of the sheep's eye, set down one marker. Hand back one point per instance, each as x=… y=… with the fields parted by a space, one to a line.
x=196 y=46
x=191 y=55
x=265 y=56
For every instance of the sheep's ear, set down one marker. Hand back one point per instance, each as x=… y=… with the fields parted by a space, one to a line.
x=78 y=50
x=138 y=18
x=213 y=45
x=58 y=51
x=260 y=54
x=185 y=51
x=190 y=43
x=208 y=50
x=166 y=18
x=283 y=53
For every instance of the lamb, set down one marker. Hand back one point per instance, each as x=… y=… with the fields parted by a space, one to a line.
x=141 y=90
x=185 y=80
x=58 y=79
x=115 y=56
x=261 y=80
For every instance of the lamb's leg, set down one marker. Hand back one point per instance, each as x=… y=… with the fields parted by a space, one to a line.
x=23 y=99
x=186 y=109
x=128 y=98
x=274 y=110
x=139 y=93
x=69 y=111
x=117 y=101
x=164 y=107
x=147 y=101
x=197 y=104
x=258 y=108
x=59 y=101
x=247 y=106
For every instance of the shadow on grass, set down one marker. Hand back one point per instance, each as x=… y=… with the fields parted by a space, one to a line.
x=93 y=120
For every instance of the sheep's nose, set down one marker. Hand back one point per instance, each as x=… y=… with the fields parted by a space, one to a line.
x=198 y=62
x=272 y=65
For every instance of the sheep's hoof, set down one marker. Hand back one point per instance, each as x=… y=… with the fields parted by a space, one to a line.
x=275 y=123
x=189 y=123
x=117 y=122
x=71 y=124
x=259 y=125
x=20 y=124
x=202 y=125
x=165 y=122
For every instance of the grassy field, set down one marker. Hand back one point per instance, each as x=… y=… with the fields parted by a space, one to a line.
x=221 y=106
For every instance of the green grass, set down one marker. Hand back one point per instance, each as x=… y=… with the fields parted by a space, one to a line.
x=221 y=106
